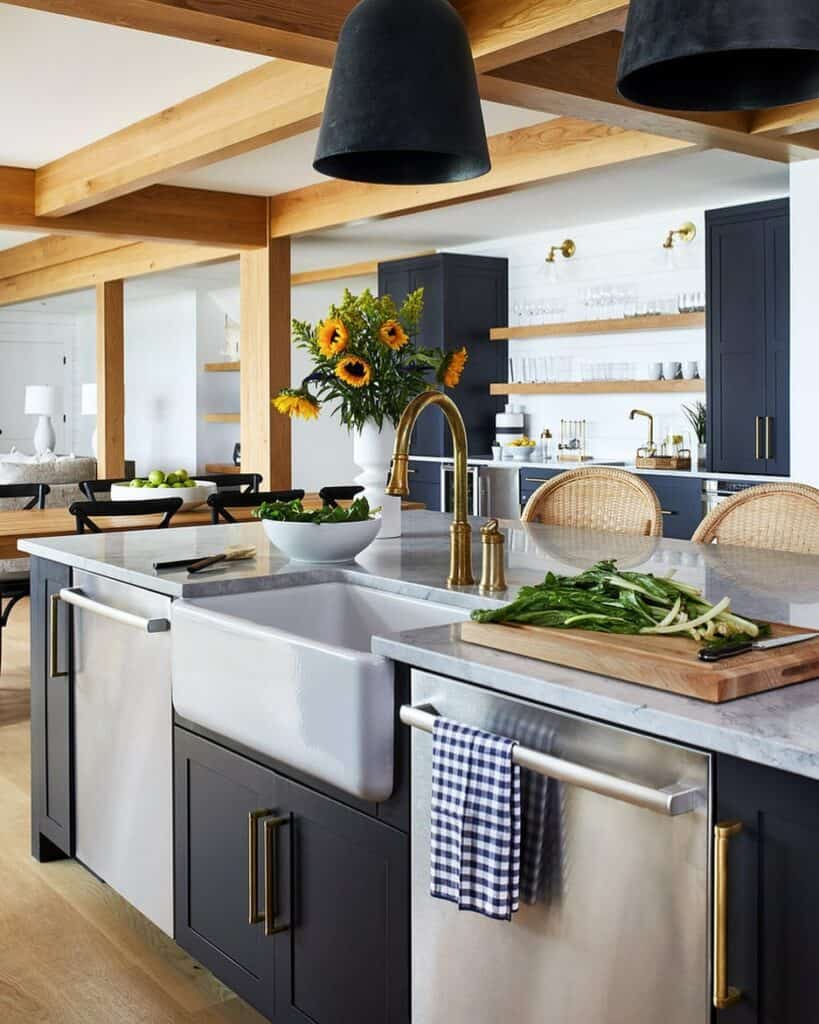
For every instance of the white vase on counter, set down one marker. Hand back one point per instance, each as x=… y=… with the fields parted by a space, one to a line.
x=372 y=452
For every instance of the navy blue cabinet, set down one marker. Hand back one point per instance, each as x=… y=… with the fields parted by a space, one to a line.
x=464 y=296
x=748 y=331
x=249 y=841
x=425 y=483
x=531 y=479
x=773 y=895
x=680 y=501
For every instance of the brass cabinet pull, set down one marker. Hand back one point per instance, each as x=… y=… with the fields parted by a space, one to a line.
x=54 y=640
x=666 y=512
x=271 y=876
x=724 y=994
x=768 y=422
x=757 y=425
x=254 y=917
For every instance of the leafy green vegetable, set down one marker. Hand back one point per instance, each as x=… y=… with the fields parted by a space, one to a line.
x=606 y=600
x=295 y=512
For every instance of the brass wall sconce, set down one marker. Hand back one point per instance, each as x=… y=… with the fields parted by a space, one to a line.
x=567 y=248
x=686 y=233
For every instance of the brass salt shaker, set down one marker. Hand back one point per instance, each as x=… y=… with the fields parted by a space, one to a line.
x=493 y=578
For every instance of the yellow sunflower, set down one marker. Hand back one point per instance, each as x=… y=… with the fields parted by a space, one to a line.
x=450 y=370
x=355 y=371
x=296 y=403
x=393 y=335
x=332 y=338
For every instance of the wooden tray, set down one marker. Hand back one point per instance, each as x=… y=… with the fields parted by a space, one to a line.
x=664 y=663
x=675 y=462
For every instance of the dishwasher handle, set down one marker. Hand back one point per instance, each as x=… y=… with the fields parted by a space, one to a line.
x=680 y=798
x=75 y=597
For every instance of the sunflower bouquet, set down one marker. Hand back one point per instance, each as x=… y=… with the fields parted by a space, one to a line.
x=366 y=362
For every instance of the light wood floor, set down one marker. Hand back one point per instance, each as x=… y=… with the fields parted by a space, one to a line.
x=72 y=951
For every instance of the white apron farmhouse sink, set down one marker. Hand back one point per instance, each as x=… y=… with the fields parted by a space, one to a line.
x=289 y=673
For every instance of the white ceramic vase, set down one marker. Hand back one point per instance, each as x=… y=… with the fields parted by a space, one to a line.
x=372 y=451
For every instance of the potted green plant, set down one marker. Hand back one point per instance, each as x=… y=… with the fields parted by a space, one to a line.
x=696 y=416
x=367 y=367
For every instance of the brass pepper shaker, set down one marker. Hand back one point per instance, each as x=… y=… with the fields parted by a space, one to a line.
x=493 y=577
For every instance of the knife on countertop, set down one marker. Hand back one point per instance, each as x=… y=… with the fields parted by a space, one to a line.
x=731 y=649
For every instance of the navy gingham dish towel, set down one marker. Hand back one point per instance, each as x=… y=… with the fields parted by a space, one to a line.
x=476 y=820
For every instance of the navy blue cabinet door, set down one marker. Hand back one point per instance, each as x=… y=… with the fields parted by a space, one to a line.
x=748 y=330
x=52 y=805
x=464 y=296
x=773 y=893
x=680 y=501
x=338 y=880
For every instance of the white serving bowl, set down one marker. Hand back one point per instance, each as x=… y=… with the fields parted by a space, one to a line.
x=322 y=542
x=192 y=497
x=521 y=454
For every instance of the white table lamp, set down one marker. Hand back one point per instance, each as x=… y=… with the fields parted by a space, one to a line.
x=41 y=400
x=89 y=408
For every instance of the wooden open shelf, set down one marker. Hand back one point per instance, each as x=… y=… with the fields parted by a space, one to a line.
x=222 y=417
x=601 y=387
x=623 y=325
x=222 y=367
x=222 y=467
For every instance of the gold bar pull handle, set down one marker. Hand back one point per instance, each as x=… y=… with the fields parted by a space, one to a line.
x=253 y=916
x=54 y=640
x=768 y=425
x=757 y=427
x=271 y=876
x=724 y=994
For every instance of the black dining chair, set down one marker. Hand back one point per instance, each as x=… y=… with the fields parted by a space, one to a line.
x=233 y=481
x=331 y=496
x=84 y=511
x=15 y=583
x=92 y=489
x=221 y=502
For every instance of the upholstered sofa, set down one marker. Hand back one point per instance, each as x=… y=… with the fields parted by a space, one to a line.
x=62 y=473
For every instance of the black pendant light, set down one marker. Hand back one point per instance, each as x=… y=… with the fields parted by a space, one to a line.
x=403 y=105
x=720 y=54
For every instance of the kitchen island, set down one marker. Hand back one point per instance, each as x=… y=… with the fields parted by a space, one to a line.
x=759 y=757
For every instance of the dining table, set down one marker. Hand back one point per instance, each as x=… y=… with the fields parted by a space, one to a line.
x=57 y=522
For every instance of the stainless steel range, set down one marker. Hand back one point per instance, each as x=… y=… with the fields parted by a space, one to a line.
x=620 y=934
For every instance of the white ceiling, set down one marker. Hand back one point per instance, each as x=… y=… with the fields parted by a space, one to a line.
x=288 y=165
x=66 y=82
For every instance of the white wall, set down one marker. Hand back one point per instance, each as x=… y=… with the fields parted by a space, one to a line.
x=32 y=348
x=160 y=380
x=804 y=193
x=624 y=252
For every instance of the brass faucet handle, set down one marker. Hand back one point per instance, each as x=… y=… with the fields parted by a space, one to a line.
x=398 y=484
x=493 y=542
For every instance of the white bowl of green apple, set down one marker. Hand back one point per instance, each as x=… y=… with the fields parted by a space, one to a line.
x=158 y=484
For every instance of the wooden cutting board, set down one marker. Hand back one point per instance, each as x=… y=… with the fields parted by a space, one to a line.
x=664 y=663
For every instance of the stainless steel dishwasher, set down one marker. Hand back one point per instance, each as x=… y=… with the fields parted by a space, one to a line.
x=123 y=740
x=620 y=932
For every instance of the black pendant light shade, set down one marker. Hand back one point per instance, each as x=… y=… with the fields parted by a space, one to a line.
x=720 y=54
x=403 y=105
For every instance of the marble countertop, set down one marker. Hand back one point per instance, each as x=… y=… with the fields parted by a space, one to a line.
x=487 y=460
x=780 y=728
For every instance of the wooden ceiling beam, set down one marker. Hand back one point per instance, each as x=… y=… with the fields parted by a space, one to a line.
x=501 y=31
x=793 y=119
x=86 y=271
x=262 y=106
x=161 y=212
x=519 y=158
x=303 y=32
x=579 y=81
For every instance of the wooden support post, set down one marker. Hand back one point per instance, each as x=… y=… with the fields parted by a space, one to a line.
x=110 y=379
x=265 y=357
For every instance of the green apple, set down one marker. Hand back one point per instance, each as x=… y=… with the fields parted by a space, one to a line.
x=178 y=484
x=189 y=483
x=136 y=482
x=156 y=478
x=171 y=479
x=182 y=474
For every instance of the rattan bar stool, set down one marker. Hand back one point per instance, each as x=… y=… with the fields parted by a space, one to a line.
x=779 y=517
x=596 y=498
